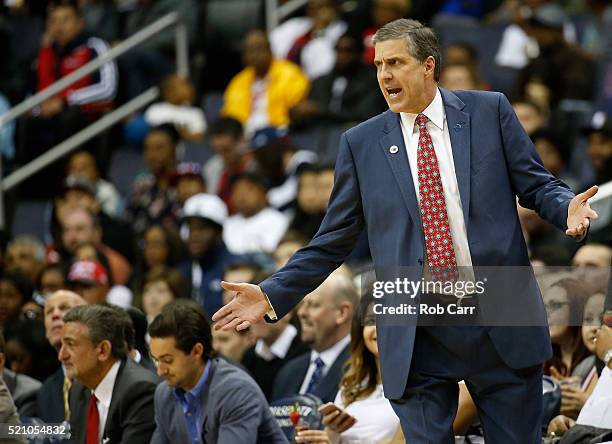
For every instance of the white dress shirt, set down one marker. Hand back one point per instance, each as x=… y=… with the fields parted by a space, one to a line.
x=104 y=394
x=437 y=127
x=328 y=357
x=256 y=234
x=279 y=348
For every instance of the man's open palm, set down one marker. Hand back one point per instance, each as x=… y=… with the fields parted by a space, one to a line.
x=579 y=214
x=248 y=306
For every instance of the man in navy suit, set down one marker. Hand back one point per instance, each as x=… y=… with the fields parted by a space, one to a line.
x=464 y=155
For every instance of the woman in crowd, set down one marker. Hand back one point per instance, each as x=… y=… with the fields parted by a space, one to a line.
x=162 y=285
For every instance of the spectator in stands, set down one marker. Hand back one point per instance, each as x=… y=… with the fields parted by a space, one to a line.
x=79 y=227
x=565 y=70
x=199 y=385
x=15 y=291
x=79 y=192
x=162 y=285
x=325 y=317
x=280 y=163
x=112 y=397
x=461 y=53
x=309 y=41
x=291 y=242
x=459 y=76
x=243 y=271
x=344 y=95
x=153 y=198
x=52 y=278
x=232 y=345
x=135 y=337
x=52 y=402
x=159 y=247
x=23 y=388
x=255 y=227
x=82 y=165
x=276 y=345
x=594 y=419
x=599 y=132
x=176 y=108
x=231 y=157
x=530 y=115
x=383 y=12
x=592 y=264
x=565 y=299
x=9 y=414
x=264 y=91
x=553 y=154
x=204 y=216
x=189 y=181
x=25 y=255
x=26 y=349
x=90 y=280
x=312 y=197
x=65 y=48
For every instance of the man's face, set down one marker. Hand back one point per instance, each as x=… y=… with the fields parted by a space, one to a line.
x=83 y=165
x=10 y=300
x=78 y=229
x=189 y=186
x=77 y=198
x=256 y=51
x=227 y=146
x=248 y=198
x=319 y=316
x=347 y=54
x=529 y=116
x=202 y=236
x=22 y=259
x=159 y=152
x=56 y=306
x=92 y=292
x=231 y=343
x=403 y=80
x=308 y=193
x=78 y=354
x=52 y=280
x=592 y=264
x=600 y=150
x=179 y=369
x=64 y=24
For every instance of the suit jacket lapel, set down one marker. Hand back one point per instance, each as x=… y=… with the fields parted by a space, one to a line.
x=117 y=388
x=79 y=407
x=399 y=163
x=459 y=128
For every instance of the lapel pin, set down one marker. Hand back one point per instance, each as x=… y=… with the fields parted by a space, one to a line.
x=393 y=149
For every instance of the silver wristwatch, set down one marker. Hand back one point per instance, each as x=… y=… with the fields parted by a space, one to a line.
x=607 y=357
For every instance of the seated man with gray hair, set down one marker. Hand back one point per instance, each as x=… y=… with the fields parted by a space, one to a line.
x=112 y=397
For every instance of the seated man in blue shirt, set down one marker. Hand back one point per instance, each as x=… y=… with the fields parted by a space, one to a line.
x=203 y=399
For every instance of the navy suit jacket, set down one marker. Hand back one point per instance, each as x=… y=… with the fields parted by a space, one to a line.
x=494 y=161
x=50 y=401
x=234 y=411
x=290 y=378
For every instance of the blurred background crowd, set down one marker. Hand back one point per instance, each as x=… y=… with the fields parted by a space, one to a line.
x=230 y=172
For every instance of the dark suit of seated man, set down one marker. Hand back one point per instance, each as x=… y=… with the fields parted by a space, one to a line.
x=325 y=316
x=203 y=399
x=111 y=398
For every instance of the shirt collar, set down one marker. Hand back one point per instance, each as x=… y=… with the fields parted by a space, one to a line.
x=104 y=390
x=434 y=112
x=196 y=392
x=280 y=347
x=330 y=355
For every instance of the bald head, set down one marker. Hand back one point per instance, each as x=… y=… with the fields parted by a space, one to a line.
x=55 y=307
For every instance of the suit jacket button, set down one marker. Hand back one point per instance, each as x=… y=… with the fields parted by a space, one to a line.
x=393 y=149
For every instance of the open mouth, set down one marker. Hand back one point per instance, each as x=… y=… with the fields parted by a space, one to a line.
x=394 y=92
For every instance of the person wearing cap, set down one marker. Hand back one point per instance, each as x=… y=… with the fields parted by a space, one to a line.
x=255 y=227
x=280 y=162
x=599 y=133
x=203 y=218
x=89 y=279
x=188 y=181
x=566 y=70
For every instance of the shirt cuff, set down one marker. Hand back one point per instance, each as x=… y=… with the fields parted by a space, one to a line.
x=270 y=313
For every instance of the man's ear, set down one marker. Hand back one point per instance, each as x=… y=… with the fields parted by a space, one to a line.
x=198 y=350
x=430 y=65
x=346 y=312
x=106 y=350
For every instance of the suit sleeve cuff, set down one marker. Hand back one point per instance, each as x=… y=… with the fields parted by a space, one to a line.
x=270 y=313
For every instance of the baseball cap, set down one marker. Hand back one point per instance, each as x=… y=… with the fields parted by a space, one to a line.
x=88 y=272
x=600 y=122
x=206 y=206
x=187 y=169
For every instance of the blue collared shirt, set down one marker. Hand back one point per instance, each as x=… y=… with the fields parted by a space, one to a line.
x=191 y=402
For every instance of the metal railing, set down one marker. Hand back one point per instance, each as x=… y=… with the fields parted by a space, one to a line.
x=171 y=20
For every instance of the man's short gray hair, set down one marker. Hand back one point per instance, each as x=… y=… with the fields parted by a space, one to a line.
x=103 y=324
x=28 y=240
x=421 y=40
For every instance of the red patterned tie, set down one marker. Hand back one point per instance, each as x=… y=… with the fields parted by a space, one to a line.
x=438 y=238
x=93 y=421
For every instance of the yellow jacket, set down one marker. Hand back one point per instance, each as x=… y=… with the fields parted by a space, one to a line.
x=287 y=85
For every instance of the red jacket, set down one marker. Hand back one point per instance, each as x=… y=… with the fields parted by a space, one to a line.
x=95 y=91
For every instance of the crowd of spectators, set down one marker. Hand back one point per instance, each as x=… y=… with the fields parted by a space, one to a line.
x=122 y=286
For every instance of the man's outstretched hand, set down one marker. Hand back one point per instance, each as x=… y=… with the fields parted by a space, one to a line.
x=248 y=306
x=579 y=214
